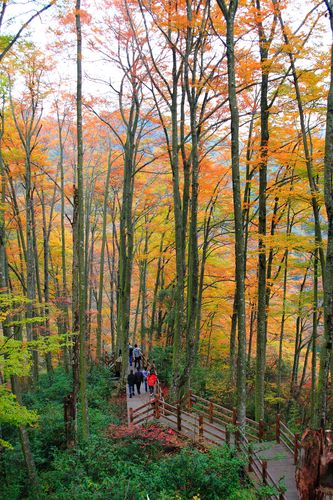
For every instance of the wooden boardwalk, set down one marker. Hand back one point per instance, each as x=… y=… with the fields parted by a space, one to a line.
x=280 y=465
x=211 y=430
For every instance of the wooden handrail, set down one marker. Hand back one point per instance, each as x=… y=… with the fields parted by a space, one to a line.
x=268 y=477
x=206 y=417
x=138 y=408
x=286 y=429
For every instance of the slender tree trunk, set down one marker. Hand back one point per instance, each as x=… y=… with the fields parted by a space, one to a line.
x=264 y=45
x=314 y=339
x=80 y=231
x=298 y=337
x=156 y=286
x=283 y=320
x=253 y=318
x=64 y=295
x=308 y=158
x=144 y=265
x=229 y=15
x=48 y=357
x=326 y=345
x=3 y=281
x=101 y=267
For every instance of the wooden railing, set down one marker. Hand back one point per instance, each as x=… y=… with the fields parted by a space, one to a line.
x=258 y=467
x=201 y=427
x=142 y=413
x=290 y=440
x=211 y=422
x=254 y=431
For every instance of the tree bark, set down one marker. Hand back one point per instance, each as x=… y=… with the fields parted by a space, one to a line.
x=80 y=230
x=102 y=258
x=229 y=14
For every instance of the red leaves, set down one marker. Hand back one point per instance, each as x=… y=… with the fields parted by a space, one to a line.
x=149 y=433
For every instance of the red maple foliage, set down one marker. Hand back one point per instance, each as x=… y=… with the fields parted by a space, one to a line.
x=165 y=437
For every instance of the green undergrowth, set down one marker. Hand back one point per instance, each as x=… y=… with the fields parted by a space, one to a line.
x=122 y=469
x=117 y=462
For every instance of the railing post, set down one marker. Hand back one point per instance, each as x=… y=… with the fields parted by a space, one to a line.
x=250 y=460
x=296 y=445
x=264 y=471
x=261 y=430
x=211 y=411
x=234 y=416
x=201 y=427
x=157 y=407
x=190 y=399
x=131 y=415
x=179 y=418
x=227 y=437
x=277 y=428
x=237 y=436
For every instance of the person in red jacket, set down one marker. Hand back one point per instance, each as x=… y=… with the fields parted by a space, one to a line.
x=151 y=381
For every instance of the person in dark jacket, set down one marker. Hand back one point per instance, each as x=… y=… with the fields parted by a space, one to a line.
x=131 y=381
x=138 y=379
x=130 y=354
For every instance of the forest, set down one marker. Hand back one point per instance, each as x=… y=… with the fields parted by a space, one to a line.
x=166 y=181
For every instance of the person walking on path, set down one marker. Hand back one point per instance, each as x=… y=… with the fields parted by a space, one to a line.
x=131 y=382
x=151 y=380
x=138 y=379
x=145 y=375
x=130 y=354
x=137 y=356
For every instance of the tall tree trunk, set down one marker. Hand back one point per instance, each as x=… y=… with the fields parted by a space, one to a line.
x=314 y=340
x=264 y=45
x=101 y=266
x=64 y=294
x=326 y=345
x=144 y=265
x=80 y=230
x=229 y=15
x=46 y=234
x=156 y=286
x=3 y=281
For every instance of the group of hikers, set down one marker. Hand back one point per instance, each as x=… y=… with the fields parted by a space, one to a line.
x=146 y=375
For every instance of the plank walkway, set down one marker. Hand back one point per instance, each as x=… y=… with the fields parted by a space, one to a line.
x=279 y=459
x=280 y=465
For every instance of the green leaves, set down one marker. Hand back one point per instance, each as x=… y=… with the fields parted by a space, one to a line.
x=12 y=413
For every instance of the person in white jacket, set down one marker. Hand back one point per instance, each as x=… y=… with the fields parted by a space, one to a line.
x=137 y=356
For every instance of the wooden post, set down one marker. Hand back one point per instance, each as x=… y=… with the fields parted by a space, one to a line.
x=237 y=436
x=234 y=416
x=131 y=415
x=157 y=407
x=296 y=446
x=264 y=471
x=250 y=459
x=227 y=437
x=211 y=411
x=179 y=418
x=190 y=399
x=277 y=428
x=261 y=430
x=201 y=427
